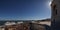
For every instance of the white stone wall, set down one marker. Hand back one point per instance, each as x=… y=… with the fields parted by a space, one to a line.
x=2 y=28
x=46 y=22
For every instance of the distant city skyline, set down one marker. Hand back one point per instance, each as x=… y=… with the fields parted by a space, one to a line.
x=24 y=9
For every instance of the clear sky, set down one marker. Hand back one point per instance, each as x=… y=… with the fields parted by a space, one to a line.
x=25 y=9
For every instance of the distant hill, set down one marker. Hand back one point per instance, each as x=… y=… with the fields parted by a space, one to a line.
x=43 y=20
x=2 y=22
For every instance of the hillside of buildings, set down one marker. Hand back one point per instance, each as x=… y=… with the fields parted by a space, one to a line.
x=47 y=20
x=28 y=25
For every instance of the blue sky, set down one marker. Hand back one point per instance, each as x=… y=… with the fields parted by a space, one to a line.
x=25 y=9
